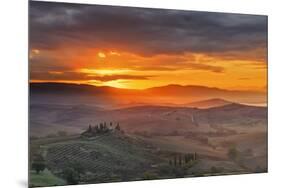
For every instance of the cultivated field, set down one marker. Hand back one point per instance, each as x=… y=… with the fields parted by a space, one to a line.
x=154 y=142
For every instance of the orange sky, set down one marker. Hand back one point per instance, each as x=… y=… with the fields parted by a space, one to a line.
x=146 y=72
x=139 y=48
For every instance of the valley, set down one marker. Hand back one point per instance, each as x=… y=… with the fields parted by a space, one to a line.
x=155 y=142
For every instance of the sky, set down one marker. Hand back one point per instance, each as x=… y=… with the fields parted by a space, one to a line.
x=139 y=48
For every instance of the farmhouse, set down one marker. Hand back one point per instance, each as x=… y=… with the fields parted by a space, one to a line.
x=99 y=129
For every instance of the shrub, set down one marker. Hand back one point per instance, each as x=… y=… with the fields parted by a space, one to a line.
x=38 y=163
x=38 y=166
x=232 y=153
x=216 y=169
x=71 y=176
x=149 y=175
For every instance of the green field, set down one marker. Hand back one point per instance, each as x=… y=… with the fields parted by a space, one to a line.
x=45 y=178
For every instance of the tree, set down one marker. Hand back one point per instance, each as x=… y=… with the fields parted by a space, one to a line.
x=180 y=160
x=215 y=170
x=101 y=127
x=78 y=168
x=175 y=160
x=232 y=153
x=89 y=129
x=185 y=159
x=179 y=172
x=38 y=164
x=71 y=176
x=149 y=175
x=170 y=162
x=118 y=127
x=97 y=128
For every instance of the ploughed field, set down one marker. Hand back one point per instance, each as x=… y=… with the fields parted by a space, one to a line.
x=105 y=158
x=115 y=157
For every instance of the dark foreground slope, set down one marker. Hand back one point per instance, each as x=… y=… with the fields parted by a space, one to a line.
x=103 y=158
x=116 y=156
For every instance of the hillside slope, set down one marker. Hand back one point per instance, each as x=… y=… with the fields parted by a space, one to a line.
x=216 y=102
x=109 y=157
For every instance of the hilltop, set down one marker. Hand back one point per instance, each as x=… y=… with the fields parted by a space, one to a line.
x=209 y=103
x=104 y=157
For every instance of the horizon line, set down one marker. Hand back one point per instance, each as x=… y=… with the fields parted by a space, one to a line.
x=87 y=84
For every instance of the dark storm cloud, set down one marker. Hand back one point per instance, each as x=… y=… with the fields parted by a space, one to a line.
x=145 y=31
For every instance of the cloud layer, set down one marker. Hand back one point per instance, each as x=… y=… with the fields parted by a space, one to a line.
x=145 y=31
x=157 y=46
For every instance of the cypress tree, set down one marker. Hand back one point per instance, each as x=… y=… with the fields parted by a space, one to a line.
x=170 y=162
x=180 y=161
x=185 y=159
x=118 y=127
x=90 y=128
x=175 y=160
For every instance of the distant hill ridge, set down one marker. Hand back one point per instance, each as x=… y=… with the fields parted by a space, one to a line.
x=56 y=87
x=173 y=94
x=209 y=103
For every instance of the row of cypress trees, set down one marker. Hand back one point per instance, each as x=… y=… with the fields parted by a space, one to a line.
x=180 y=160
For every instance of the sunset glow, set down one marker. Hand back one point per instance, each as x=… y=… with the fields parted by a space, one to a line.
x=182 y=55
x=101 y=55
x=139 y=72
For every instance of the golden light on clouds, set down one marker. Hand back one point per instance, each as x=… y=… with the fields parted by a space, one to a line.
x=104 y=71
x=116 y=83
x=55 y=72
x=101 y=55
x=118 y=68
x=114 y=53
x=138 y=56
x=36 y=51
x=33 y=53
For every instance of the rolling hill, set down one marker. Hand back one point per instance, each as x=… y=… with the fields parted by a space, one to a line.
x=110 y=96
x=208 y=103
x=104 y=158
x=154 y=135
x=48 y=118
